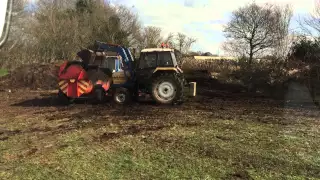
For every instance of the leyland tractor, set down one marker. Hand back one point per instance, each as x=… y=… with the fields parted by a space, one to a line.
x=111 y=70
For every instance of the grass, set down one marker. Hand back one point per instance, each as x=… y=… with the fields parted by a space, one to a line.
x=210 y=143
x=3 y=72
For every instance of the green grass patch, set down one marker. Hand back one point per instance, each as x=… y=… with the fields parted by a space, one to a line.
x=200 y=147
x=224 y=149
x=3 y=72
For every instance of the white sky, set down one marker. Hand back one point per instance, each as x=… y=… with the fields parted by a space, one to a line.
x=202 y=19
x=3 y=9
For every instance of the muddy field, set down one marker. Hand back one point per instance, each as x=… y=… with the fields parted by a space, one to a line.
x=220 y=134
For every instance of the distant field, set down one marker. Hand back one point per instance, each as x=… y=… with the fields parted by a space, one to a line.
x=3 y=72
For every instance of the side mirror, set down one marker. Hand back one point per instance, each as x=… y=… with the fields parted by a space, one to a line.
x=5 y=19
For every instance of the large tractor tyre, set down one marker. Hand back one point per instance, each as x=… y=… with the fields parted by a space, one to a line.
x=63 y=99
x=122 y=96
x=167 y=89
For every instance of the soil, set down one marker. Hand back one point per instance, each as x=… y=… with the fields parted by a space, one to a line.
x=20 y=94
x=32 y=76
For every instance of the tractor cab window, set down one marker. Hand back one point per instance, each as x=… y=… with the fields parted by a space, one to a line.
x=148 y=60
x=110 y=63
x=165 y=59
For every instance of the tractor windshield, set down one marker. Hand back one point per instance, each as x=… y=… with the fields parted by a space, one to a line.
x=148 y=60
x=165 y=59
x=157 y=59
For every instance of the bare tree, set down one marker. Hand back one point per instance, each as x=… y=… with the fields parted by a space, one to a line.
x=310 y=25
x=59 y=30
x=151 y=36
x=129 y=25
x=181 y=40
x=184 y=43
x=255 y=29
x=235 y=48
x=285 y=36
x=189 y=42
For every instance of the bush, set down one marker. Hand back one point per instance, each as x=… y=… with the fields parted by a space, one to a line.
x=304 y=63
x=218 y=69
x=33 y=76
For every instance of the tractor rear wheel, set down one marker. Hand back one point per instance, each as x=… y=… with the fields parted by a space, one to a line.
x=167 y=88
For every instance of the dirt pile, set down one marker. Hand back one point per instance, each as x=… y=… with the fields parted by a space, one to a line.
x=32 y=76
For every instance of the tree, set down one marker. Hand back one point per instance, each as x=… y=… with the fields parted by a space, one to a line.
x=84 y=6
x=304 y=60
x=181 y=38
x=305 y=51
x=151 y=37
x=286 y=37
x=184 y=43
x=310 y=25
x=254 y=29
x=60 y=31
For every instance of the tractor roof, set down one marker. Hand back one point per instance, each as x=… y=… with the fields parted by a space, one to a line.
x=156 y=49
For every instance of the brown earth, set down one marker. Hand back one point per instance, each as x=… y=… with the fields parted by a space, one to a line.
x=32 y=124
x=213 y=104
x=32 y=76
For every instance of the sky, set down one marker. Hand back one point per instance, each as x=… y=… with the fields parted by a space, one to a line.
x=201 y=19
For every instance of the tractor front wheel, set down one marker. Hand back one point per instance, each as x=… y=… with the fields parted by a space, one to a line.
x=167 y=89
x=121 y=96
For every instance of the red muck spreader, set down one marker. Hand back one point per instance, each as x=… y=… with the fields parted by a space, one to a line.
x=90 y=75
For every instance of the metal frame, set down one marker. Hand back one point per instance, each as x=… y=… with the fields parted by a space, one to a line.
x=7 y=22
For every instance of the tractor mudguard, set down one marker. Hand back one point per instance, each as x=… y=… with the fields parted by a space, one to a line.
x=166 y=69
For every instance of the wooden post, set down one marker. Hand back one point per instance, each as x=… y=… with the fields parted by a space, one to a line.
x=193 y=88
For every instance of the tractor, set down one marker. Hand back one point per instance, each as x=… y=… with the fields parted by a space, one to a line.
x=158 y=74
x=111 y=70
